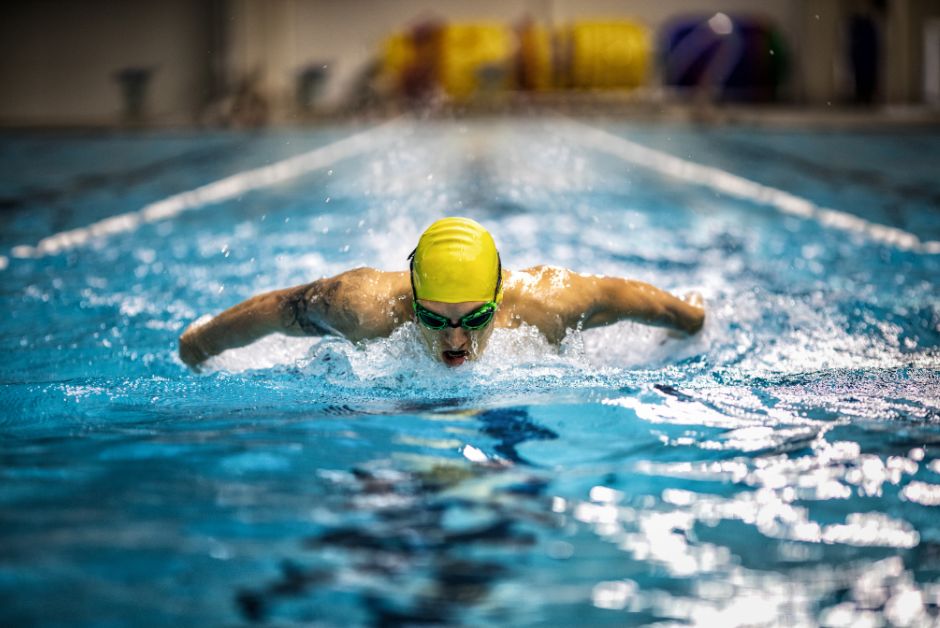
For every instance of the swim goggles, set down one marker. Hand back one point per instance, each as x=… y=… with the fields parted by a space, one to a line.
x=475 y=320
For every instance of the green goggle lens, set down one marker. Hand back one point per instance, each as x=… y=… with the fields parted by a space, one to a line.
x=477 y=319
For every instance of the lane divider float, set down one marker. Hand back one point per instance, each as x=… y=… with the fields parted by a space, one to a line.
x=216 y=192
x=739 y=187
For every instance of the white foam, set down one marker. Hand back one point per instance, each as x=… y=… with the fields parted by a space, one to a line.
x=403 y=356
x=211 y=193
x=739 y=187
x=268 y=352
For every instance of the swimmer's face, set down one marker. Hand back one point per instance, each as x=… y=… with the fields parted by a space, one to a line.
x=453 y=346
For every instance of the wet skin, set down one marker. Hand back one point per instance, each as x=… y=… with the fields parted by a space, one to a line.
x=366 y=303
x=454 y=345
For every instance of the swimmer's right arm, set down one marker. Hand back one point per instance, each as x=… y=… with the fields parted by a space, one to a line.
x=237 y=326
x=357 y=304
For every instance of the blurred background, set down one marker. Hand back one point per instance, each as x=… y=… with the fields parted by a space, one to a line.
x=249 y=63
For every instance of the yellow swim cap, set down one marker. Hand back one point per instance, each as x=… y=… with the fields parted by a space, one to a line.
x=456 y=261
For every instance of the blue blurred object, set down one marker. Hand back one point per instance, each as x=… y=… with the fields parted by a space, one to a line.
x=733 y=58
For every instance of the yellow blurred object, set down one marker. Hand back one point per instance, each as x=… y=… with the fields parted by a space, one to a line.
x=536 y=70
x=475 y=57
x=606 y=55
x=398 y=54
x=468 y=59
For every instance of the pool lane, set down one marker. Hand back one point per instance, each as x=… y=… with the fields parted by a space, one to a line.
x=781 y=464
x=212 y=193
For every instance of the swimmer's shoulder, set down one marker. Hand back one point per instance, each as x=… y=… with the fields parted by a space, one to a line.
x=535 y=296
x=367 y=278
x=365 y=284
x=365 y=302
x=535 y=281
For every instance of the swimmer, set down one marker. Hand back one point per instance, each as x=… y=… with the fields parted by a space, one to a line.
x=455 y=290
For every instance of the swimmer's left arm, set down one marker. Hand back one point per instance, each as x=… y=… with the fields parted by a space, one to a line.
x=596 y=301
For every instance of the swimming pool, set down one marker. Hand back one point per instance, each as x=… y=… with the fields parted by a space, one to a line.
x=779 y=468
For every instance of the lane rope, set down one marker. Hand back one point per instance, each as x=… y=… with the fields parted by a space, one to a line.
x=212 y=193
x=738 y=187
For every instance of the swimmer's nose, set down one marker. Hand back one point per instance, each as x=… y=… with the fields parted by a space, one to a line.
x=455 y=337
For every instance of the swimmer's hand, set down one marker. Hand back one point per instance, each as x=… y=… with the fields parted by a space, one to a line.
x=696 y=300
x=190 y=352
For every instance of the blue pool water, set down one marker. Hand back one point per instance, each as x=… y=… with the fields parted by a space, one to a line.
x=780 y=468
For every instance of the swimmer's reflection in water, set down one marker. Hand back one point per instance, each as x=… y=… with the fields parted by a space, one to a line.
x=408 y=527
x=457 y=292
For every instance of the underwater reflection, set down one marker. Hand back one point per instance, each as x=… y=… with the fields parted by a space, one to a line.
x=417 y=546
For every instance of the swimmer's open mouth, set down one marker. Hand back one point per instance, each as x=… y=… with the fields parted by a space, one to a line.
x=454 y=358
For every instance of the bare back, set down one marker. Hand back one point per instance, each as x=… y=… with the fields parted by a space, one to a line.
x=368 y=303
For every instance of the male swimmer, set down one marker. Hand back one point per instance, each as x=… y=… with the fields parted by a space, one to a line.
x=457 y=292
